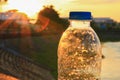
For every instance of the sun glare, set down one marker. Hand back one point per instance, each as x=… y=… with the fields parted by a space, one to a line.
x=30 y=7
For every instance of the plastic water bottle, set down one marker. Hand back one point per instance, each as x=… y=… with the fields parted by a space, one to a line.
x=79 y=50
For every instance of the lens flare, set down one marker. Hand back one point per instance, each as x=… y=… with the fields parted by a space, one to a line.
x=30 y=7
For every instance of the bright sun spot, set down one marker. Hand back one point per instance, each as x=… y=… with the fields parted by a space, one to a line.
x=30 y=7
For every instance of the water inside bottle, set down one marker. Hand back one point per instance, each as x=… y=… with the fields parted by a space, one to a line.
x=79 y=55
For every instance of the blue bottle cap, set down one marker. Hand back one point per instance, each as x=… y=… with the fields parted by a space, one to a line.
x=80 y=15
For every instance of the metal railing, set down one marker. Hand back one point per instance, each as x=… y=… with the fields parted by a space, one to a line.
x=22 y=67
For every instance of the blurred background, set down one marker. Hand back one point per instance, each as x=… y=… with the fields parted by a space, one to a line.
x=33 y=29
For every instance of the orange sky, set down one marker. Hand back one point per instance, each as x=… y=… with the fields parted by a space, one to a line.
x=99 y=8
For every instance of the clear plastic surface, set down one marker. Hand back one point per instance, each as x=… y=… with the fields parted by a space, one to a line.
x=79 y=54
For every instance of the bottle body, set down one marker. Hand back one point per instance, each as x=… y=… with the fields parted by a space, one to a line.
x=79 y=53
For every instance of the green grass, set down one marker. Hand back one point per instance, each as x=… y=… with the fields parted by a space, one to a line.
x=46 y=52
x=42 y=49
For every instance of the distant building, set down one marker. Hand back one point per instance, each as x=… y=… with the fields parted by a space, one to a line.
x=103 y=22
x=104 y=19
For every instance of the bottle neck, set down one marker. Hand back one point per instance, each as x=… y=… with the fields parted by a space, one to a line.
x=80 y=23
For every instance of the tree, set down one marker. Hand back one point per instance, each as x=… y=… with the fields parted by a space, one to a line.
x=50 y=12
x=53 y=15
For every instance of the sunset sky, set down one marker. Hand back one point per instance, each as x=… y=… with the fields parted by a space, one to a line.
x=99 y=8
